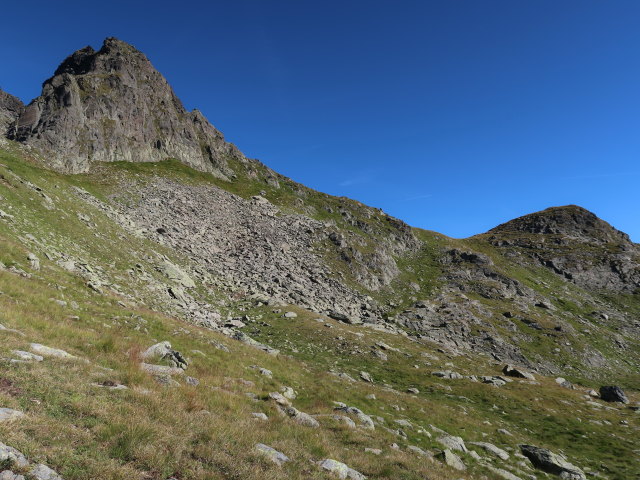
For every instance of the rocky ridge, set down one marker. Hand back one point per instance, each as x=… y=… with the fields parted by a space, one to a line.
x=113 y=105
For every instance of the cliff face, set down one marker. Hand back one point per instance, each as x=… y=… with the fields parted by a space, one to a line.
x=10 y=109
x=113 y=105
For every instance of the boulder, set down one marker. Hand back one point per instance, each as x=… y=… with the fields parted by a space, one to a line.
x=518 y=372
x=176 y=274
x=492 y=449
x=365 y=420
x=9 y=414
x=613 y=393
x=301 y=417
x=340 y=470
x=42 y=472
x=549 y=462
x=289 y=393
x=454 y=443
x=51 y=352
x=451 y=459
x=164 y=352
x=279 y=399
x=11 y=455
x=9 y=475
x=272 y=454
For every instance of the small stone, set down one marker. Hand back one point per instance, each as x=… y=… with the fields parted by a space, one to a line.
x=415 y=391
x=259 y=416
x=34 y=261
x=290 y=315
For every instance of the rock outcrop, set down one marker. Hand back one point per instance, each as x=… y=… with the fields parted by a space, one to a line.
x=575 y=244
x=10 y=109
x=113 y=105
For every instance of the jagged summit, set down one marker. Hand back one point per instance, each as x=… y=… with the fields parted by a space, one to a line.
x=570 y=221
x=113 y=105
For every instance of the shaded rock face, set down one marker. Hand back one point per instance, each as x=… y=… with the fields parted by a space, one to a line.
x=113 y=105
x=10 y=109
x=575 y=244
x=549 y=462
x=613 y=393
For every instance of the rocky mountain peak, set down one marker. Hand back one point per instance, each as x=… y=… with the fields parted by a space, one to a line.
x=569 y=221
x=113 y=105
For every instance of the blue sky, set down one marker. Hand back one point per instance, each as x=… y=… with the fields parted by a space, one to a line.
x=452 y=115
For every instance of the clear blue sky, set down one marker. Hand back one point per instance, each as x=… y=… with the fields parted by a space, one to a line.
x=452 y=115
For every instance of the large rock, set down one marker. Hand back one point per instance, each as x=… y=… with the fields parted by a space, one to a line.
x=175 y=273
x=454 y=443
x=513 y=371
x=301 y=417
x=163 y=351
x=9 y=414
x=11 y=455
x=365 y=420
x=42 y=472
x=271 y=454
x=340 y=470
x=492 y=449
x=550 y=462
x=51 y=352
x=451 y=459
x=613 y=393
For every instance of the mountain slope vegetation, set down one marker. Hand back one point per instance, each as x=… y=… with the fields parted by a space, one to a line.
x=314 y=325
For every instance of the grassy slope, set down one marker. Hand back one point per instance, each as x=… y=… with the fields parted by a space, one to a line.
x=206 y=431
